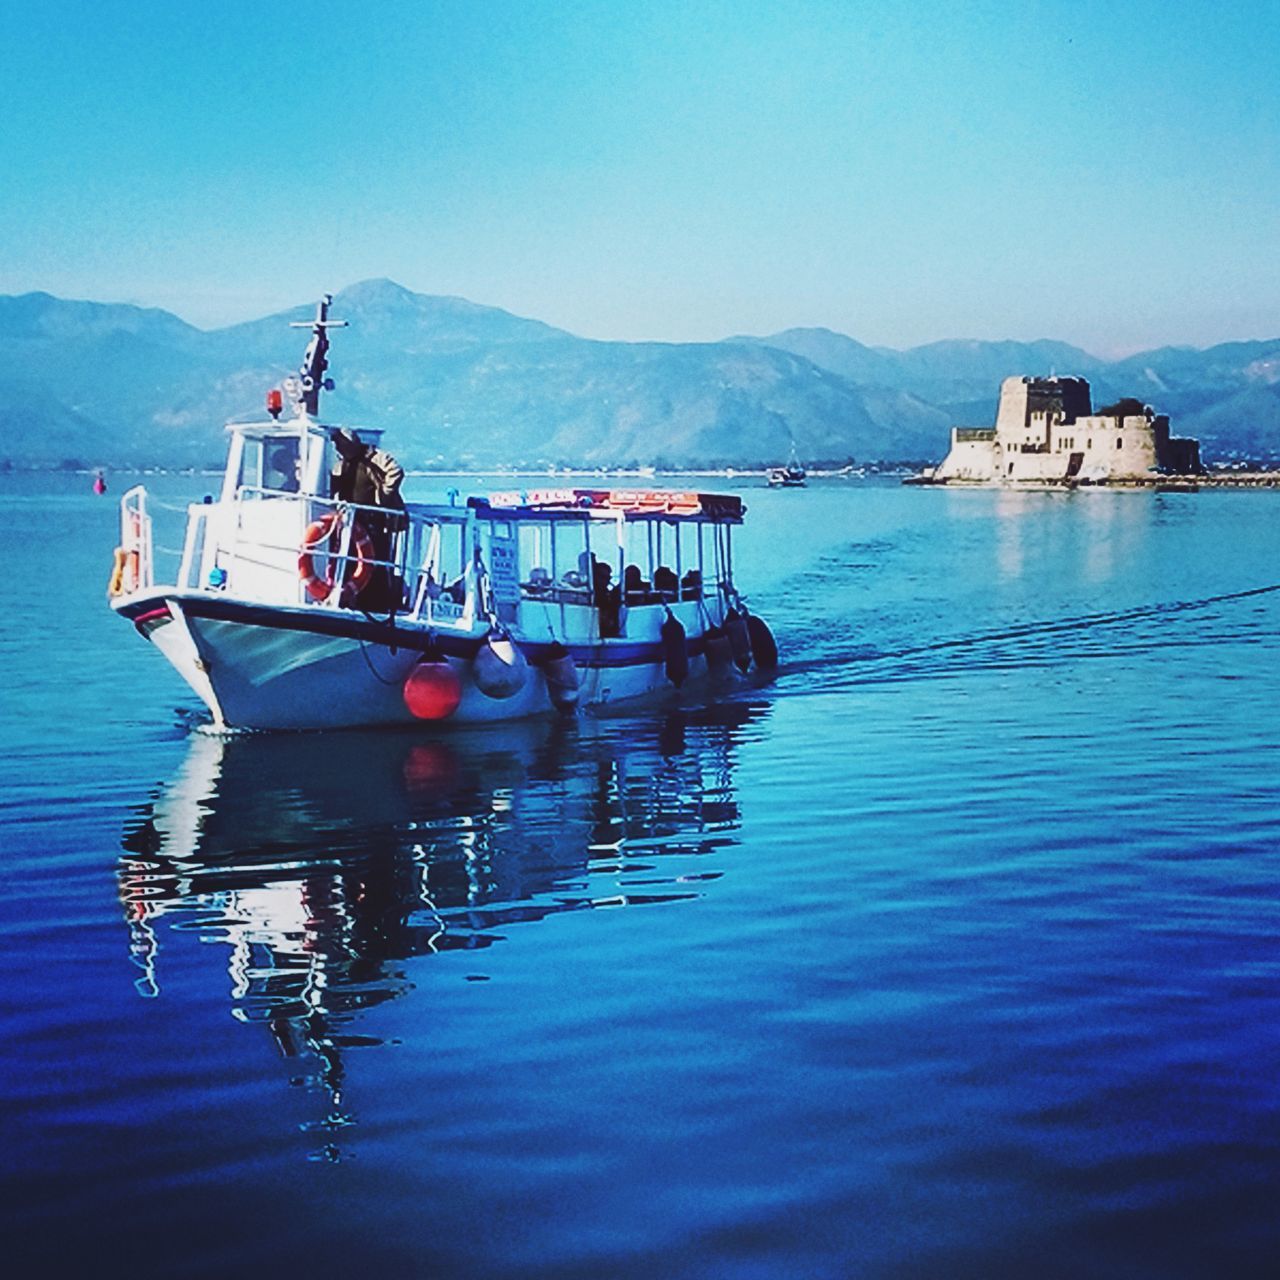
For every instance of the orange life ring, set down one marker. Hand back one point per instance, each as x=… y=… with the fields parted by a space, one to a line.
x=124 y=572
x=318 y=531
x=116 y=585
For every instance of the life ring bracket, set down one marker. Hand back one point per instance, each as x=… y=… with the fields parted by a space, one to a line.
x=359 y=557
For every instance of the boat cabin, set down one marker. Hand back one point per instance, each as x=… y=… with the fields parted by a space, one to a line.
x=568 y=563
x=279 y=484
x=605 y=562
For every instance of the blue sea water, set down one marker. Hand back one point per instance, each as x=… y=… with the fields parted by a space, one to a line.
x=953 y=952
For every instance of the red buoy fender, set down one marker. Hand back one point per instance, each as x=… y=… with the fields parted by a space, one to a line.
x=319 y=531
x=432 y=690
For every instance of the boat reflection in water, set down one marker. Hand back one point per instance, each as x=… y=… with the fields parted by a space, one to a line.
x=322 y=862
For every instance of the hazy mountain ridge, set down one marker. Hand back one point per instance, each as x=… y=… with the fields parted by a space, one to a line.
x=455 y=382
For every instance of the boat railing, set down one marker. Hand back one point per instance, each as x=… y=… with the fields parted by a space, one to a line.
x=402 y=547
x=136 y=556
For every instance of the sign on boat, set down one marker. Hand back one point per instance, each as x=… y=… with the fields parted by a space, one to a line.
x=295 y=606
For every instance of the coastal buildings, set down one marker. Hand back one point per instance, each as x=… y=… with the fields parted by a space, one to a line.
x=1047 y=432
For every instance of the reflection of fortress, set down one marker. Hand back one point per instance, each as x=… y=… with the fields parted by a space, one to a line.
x=320 y=861
x=1046 y=432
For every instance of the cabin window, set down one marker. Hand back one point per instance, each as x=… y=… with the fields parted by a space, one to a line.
x=570 y=554
x=282 y=465
x=250 y=476
x=535 y=557
x=448 y=568
x=668 y=559
x=270 y=464
x=637 y=562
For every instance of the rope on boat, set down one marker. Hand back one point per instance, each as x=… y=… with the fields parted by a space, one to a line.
x=373 y=670
x=153 y=501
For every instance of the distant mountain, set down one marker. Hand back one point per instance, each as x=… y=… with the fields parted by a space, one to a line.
x=952 y=372
x=1228 y=396
x=1231 y=365
x=836 y=353
x=1243 y=424
x=37 y=317
x=457 y=383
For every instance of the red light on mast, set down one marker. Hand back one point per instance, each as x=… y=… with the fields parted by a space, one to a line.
x=275 y=402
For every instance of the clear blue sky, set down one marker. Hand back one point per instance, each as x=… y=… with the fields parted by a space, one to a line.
x=1105 y=173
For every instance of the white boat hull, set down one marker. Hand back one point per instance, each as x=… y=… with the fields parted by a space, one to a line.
x=273 y=668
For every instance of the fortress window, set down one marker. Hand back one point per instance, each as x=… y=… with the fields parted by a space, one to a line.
x=1089 y=443
x=1119 y=442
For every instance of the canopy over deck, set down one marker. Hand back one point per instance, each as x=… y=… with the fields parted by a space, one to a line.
x=633 y=503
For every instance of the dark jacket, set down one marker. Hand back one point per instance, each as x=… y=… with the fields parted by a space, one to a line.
x=371 y=478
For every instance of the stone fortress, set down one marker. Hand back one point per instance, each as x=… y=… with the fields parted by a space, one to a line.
x=1047 y=433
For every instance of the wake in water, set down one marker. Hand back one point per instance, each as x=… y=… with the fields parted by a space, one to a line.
x=1033 y=644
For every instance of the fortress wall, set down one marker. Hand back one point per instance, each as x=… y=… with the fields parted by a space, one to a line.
x=971 y=456
x=1124 y=446
x=1111 y=448
x=1033 y=466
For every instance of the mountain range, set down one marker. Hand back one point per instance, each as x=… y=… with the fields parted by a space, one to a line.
x=459 y=384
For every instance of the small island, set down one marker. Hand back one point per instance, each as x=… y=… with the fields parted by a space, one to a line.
x=1046 y=433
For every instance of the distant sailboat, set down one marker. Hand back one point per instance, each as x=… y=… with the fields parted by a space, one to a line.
x=99 y=483
x=792 y=476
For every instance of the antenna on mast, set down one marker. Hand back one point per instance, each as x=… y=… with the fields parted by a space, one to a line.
x=316 y=360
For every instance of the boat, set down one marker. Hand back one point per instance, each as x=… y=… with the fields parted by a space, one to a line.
x=293 y=608
x=792 y=476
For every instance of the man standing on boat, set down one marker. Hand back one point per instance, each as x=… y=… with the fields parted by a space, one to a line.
x=368 y=477
x=371 y=477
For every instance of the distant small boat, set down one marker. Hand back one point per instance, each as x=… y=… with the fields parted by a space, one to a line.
x=792 y=476
x=99 y=484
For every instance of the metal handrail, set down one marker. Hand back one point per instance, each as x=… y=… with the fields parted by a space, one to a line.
x=418 y=578
x=135 y=537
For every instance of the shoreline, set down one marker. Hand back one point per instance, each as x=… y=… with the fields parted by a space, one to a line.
x=550 y=477
x=1166 y=484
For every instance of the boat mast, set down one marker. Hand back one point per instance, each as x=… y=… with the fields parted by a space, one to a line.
x=316 y=360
